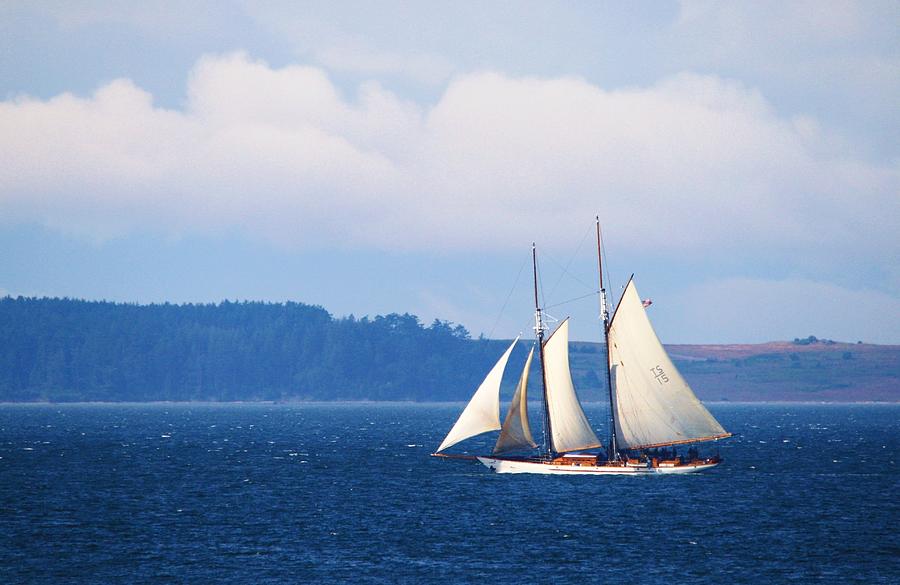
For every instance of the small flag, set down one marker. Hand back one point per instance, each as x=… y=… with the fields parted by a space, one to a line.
x=646 y=303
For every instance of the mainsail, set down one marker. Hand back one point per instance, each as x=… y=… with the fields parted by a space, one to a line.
x=482 y=414
x=515 y=434
x=570 y=429
x=654 y=405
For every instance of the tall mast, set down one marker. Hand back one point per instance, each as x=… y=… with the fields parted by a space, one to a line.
x=613 y=454
x=539 y=329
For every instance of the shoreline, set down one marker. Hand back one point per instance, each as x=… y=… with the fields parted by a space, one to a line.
x=403 y=402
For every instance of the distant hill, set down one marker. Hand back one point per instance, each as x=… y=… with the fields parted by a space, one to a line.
x=791 y=371
x=63 y=350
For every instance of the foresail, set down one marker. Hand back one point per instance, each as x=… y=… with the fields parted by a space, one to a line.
x=515 y=434
x=653 y=403
x=482 y=414
x=570 y=429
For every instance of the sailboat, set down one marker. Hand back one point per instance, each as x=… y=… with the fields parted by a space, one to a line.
x=652 y=408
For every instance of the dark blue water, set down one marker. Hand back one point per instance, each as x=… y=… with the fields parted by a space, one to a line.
x=325 y=493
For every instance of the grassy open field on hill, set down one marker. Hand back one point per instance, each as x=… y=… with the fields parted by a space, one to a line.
x=783 y=370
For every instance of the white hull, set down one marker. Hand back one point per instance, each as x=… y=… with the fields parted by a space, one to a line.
x=522 y=466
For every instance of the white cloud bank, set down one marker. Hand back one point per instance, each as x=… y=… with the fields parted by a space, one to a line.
x=689 y=164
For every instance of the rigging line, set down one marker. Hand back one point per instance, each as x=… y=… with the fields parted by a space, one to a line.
x=609 y=280
x=565 y=269
x=590 y=294
x=572 y=276
x=527 y=325
x=541 y=282
x=611 y=286
x=508 y=296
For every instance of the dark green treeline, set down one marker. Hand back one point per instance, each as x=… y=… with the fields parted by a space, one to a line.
x=73 y=350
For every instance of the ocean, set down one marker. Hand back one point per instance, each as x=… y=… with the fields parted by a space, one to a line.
x=304 y=493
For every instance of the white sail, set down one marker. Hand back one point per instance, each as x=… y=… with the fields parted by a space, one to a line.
x=482 y=414
x=515 y=434
x=654 y=405
x=570 y=429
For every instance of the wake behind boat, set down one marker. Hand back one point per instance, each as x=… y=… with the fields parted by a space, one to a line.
x=652 y=408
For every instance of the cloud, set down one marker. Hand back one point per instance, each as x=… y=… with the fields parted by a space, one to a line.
x=690 y=164
x=801 y=23
x=358 y=58
x=160 y=16
x=841 y=60
x=394 y=42
x=758 y=310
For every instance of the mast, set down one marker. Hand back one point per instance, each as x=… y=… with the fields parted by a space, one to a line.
x=613 y=454
x=539 y=329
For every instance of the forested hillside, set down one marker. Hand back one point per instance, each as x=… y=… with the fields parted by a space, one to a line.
x=71 y=350
x=67 y=350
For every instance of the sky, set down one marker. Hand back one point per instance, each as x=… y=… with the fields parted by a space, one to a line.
x=383 y=157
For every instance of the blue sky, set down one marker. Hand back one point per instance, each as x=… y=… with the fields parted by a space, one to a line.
x=379 y=157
